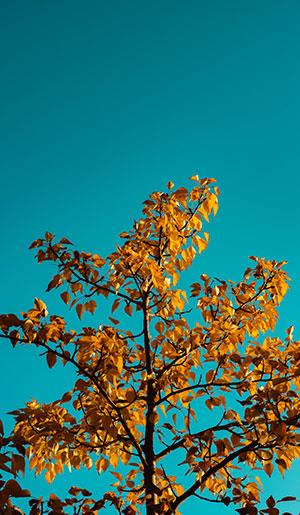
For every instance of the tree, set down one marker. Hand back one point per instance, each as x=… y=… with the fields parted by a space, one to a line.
x=140 y=402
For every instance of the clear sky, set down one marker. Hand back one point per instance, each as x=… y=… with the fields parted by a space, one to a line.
x=104 y=102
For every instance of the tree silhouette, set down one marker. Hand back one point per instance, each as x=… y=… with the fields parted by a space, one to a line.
x=139 y=404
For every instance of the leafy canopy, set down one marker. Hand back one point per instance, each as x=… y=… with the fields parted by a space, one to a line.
x=139 y=404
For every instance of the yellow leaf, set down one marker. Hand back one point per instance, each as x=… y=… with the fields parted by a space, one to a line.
x=163 y=409
x=175 y=278
x=258 y=480
x=179 y=489
x=50 y=475
x=117 y=475
x=28 y=325
x=119 y=364
x=101 y=465
x=41 y=307
x=114 y=458
x=200 y=243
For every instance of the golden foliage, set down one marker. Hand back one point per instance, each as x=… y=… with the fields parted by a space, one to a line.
x=140 y=396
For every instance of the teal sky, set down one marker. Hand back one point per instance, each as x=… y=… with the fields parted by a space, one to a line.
x=103 y=102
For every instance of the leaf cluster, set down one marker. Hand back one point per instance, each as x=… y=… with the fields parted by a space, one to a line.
x=139 y=397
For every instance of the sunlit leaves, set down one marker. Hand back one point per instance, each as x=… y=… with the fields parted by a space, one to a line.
x=146 y=379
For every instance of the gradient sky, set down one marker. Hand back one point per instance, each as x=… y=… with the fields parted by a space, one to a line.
x=104 y=102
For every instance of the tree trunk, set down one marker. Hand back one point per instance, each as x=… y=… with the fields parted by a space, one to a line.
x=149 y=471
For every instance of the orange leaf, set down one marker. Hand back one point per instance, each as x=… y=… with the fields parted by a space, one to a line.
x=80 y=310
x=51 y=359
x=115 y=305
x=268 y=468
x=65 y=297
x=160 y=327
x=128 y=309
x=91 y=306
x=114 y=320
